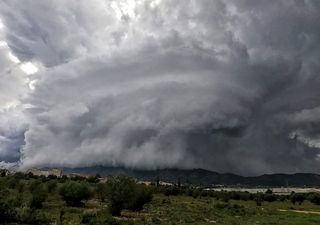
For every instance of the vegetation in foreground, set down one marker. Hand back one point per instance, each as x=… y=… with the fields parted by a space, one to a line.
x=26 y=199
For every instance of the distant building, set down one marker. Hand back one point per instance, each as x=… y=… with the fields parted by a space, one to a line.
x=46 y=173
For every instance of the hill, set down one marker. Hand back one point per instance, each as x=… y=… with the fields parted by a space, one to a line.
x=205 y=177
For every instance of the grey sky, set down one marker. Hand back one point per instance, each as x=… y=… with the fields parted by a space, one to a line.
x=231 y=86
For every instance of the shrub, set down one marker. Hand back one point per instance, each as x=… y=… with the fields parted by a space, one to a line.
x=124 y=193
x=100 y=218
x=297 y=197
x=269 y=191
x=269 y=197
x=101 y=191
x=258 y=199
x=196 y=193
x=52 y=177
x=26 y=215
x=282 y=198
x=314 y=198
x=39 y=195
x=51 y=185
x=142 y=195
x=74 y=192
x=119 y=193
x=93 y=179
x=34 y=185
x=7 y=213
x=220 y=205
x=171 y=190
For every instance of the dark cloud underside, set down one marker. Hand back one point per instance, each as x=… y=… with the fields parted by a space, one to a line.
x=231 y=86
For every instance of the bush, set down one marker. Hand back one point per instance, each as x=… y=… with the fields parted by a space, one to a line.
x=269 y=197
x=100 y=218
x=93 y=179
x=314 y=198
x=220 y=205
x=258 y=199
x=142 y=195
x=25 y=215
x=39 y=195
x=124 y=193
x=7 y=213
x=51 y=185
x=34 y=184
x=297 y=197
x=119 y=193
x=74 y=193
x=101 y=191
x=269 y=191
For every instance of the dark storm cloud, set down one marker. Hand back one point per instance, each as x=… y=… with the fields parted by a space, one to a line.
x=224 y=85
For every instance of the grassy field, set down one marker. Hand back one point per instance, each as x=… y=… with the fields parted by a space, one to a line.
x=187 y=210
x=174 y=210
x=177 y=209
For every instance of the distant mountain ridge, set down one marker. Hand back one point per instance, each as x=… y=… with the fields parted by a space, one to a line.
x=205 y=177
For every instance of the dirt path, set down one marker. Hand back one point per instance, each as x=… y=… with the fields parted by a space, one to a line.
x=299 y=211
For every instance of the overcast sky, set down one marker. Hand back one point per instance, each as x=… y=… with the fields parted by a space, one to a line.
x=225 y=85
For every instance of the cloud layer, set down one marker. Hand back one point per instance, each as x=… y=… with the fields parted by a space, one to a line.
x=231 y=86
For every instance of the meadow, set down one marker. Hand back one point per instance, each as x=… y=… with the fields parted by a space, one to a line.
x=33 y=200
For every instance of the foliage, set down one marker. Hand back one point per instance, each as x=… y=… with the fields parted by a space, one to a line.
x=101 y=191
x=258 y=199
x=142 y=195
x=52 y=185
x=124 y=193
x=39 y=195
x=314 y=198
x=183 y=205
x=7 y=212
x=74 y=192
x=100 y=218
x=297 y=197
x=269 y=191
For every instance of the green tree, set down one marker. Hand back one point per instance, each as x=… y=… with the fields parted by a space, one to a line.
x=314 y=198
x=119 y=192
x=101 y=191
x=74 y=193
x=124 y=193
x=297 y=197
x=142 y=195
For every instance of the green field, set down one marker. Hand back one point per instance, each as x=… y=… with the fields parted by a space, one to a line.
x=188 y=210
x=171 y=210
x=178 y=209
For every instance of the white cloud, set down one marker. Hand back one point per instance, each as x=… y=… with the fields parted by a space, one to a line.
x=13 y=58
x=29 y=68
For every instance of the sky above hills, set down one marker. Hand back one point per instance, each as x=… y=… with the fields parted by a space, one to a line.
x=225 y=85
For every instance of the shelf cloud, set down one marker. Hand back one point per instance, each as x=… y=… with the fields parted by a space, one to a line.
x=230 y=86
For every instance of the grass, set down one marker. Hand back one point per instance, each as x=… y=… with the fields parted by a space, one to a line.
x=178 y=210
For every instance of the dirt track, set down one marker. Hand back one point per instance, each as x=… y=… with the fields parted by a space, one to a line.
x=299 y=211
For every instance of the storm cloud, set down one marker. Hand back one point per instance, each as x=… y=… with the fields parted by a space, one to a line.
x=231 y=86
